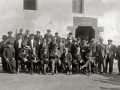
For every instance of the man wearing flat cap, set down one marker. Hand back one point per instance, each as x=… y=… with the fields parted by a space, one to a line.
x=111 y=51
x=38 y=36
x=57 y=37
x=48 y=35
x=2 y=47
x=11 y=39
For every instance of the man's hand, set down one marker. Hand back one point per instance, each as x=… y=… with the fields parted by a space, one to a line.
x=25 y=59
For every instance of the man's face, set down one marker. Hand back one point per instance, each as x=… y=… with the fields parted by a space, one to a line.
x=38 y=33
x=56 y=34
x=109 y=42
x=32 y=37
x=101 y=40
x=27 y=32
x=10 y=34
x=48 y=32
x=21 y=30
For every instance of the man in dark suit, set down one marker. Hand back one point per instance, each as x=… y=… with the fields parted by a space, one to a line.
x=27 y=35
x=9 y=56
x=32 y=42
x=102 y=55
x=48 y=35
x=118 y=58
x=38 y=36
x=74 y=46
x=2 y=47
x=18 y=46
x=111 y=50
x=67 y=61
x=17 y=34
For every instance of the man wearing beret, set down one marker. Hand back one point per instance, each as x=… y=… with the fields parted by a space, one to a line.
x=2 y=47
x=11 y=39
x=111 y=50
x=48 y=35
x=38 y=36
x=9 y=56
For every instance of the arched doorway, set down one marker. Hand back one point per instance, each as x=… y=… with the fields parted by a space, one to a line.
x=85 y=32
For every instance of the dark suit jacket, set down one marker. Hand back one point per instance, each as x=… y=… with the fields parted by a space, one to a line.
x=73 y=48
x=34 y=44
x=112 y=51
x=38 y=37
x=101 y=51
x=46 y=36
x=61 y=48
x=2 y=46
x=118 y=53
x=77 y=57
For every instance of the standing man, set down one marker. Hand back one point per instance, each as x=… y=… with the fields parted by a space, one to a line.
x=102 y=55
x=118 y=58
x=17 y=34
x=11 y=39
x=32 y=42
x=27 y=35
x=57 y=37
x=111 y=50
x=2 y=47
x=70 y=37
x=18 y=46
x=38 y=36
x=48 y=35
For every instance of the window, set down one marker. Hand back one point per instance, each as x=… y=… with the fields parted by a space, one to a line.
x=78 y=6
x=30 y=4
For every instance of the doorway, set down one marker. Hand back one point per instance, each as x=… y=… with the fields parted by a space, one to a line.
x=85 y=32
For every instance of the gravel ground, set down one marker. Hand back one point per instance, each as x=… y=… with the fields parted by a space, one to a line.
x=25 y=81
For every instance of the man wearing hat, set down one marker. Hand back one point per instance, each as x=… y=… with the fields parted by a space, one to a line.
x=2 y=47
x=11 y=39
x=48 y=35
x=102 y=55
x=57 y=37
x=38 y=36
x=111 y=51
x=9 y=56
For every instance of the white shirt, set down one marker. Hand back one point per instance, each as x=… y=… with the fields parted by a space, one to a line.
x=19 y=43
x=32 y=40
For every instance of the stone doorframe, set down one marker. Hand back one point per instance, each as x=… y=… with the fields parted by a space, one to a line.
x=86 y=21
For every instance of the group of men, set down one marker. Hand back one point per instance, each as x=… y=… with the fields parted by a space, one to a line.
x=29 y=52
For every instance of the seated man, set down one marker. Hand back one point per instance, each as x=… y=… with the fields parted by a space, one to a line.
x=77 y=59
x=23 y=58
x=67 y=61
x=9 y=56
x=90 y=61
x=33 y=59
x=55 y=59
x=43 y=63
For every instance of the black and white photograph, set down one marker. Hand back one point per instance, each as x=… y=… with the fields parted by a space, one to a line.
x=59 y=45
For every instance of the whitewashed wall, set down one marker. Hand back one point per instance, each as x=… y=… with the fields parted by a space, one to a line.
x=57 y=15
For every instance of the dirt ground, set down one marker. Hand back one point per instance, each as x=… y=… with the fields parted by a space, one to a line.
x=23 y=81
